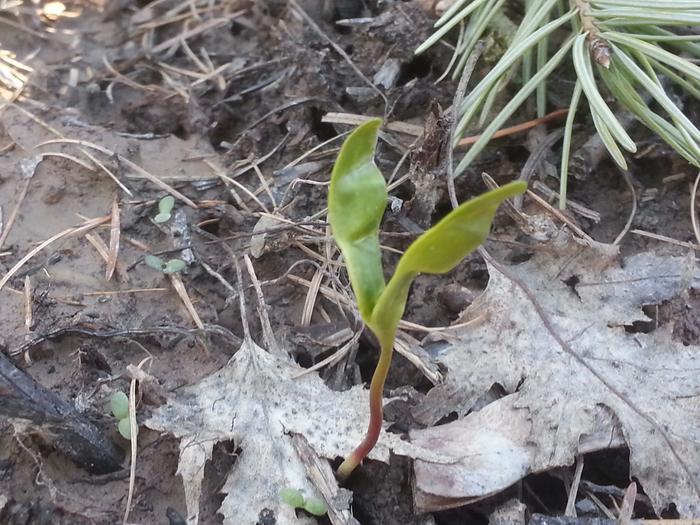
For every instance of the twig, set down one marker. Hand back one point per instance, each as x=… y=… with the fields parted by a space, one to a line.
x=693 y=214
x=353 y=119
x=573 y=492
x=518 y=128
x=28 y=317
x=179 y=287
x=669 y=240
x=633 y=212
x=22 y=398
x=131 y=290
x=627 y=507
x=559 y=215
x=134 y=428
x=268 y=335
x=114 y=232
x=571 y=205
x=130 y=332
x=312 y=296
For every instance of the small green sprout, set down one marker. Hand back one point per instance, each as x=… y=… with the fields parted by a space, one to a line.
x=119 y=403
x=171 y=266
x=294 y=498
x=356 y=202
x=165 y=206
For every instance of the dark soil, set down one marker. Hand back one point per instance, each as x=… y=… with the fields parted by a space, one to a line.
x=267 y=106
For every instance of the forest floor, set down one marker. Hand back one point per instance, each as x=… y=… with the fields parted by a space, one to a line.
x=238 y=109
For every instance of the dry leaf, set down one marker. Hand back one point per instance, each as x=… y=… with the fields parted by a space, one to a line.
x=256 y=402
x=601 y=388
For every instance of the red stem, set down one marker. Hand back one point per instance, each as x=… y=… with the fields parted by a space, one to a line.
x=374 y=428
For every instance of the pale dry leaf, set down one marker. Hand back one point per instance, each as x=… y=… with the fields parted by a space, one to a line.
x=258 y=402
x=638 y=389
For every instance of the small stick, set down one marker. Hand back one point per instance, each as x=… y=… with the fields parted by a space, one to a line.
x=693 y=214
x=352 y=119
x=114 y=233
x=311 y=297
x=134 y=428
x=179 y=286
x=517 y=128
x=131 y=290
x=103 y=251
x=28 y=317
x=571 y=502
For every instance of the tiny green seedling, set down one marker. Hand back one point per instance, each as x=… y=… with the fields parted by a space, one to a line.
x=119 y=403
x=294 y=498
x=356 y=202
x=171 y=266
x=165 y=206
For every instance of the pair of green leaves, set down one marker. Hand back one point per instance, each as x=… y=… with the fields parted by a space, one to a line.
x=356 y=203
x=119 y=403
x=167 y=267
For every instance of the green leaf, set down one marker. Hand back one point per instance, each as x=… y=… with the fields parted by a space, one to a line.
x=165 y=205
x=162 y=217
x=655 y=91
x=609 y=141
x=656 y=52
x=291 y=497
x=438 y=251
x=624 y=91
x=443 y=246
x=584 y=70
x=479 y=93
x=475 y=30
x=174 y=266
x=124 y=427
x=356 y=201
x=566 y=146
x=513 y=104
x=315 y=507
x=154 y=262
x=120 y=405
x=449 y=25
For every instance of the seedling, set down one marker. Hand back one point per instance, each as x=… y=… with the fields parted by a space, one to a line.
x=171 y=266
x=120 y=409
x=294 y=498
x=165 y=206
x=356 y=202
